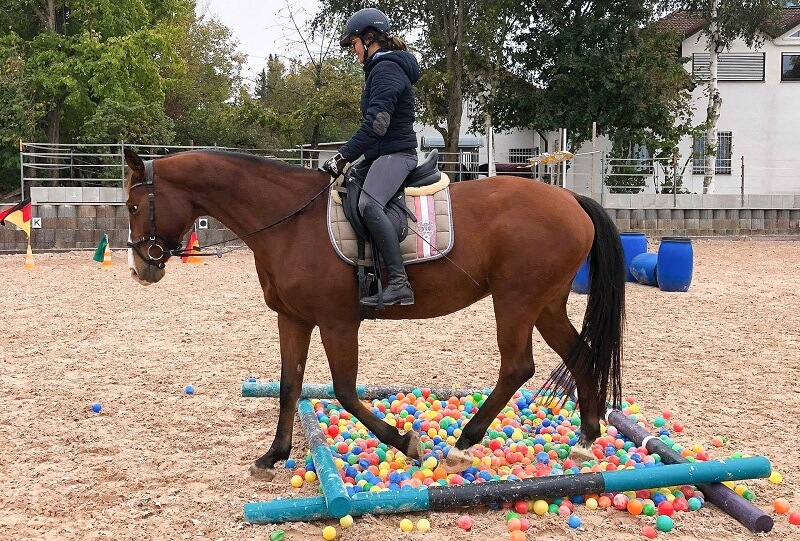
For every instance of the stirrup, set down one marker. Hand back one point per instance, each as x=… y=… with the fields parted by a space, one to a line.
x=404 y=298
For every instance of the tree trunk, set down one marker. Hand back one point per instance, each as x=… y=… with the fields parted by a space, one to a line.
x=53 y=137
x=454 y=32
x=714 y=103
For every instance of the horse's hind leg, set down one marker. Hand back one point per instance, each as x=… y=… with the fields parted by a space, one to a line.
x=559 y=333
x=341 y=347
x=295 y=337
x=515 y=320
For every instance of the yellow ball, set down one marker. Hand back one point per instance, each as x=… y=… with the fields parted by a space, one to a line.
x=329 y=533
x=346 y=521
x=310 y=476
x=296 y=481
x=423 y=525
x=776 y=477
x=406 y=525
x=591 y=504
x=540 y=507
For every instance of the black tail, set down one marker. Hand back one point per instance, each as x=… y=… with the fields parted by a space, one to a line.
x=598 y=351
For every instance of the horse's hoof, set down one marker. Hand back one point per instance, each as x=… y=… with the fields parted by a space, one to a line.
x=581 y=454
x=457 y=460
x=414 y=450
x=267 y=474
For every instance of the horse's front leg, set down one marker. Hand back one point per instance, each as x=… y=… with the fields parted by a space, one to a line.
x=341 y=347
x=295 y=337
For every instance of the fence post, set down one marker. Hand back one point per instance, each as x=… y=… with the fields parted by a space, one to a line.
x=674 y=180
x=742 y=187
x=602 y=179
x=21 y=170
x=122 y=162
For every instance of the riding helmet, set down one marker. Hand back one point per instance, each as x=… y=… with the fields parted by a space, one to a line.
x=362 y=20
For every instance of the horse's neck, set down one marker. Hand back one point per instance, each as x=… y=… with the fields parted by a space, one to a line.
x=247 y=197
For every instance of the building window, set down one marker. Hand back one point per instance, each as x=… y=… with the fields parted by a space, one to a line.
x=730 y=66
x=519 y=155
x=790 y=67
x=724 y=147
x=796 y=35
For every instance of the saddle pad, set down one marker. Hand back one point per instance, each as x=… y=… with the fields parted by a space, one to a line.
x=430 y=237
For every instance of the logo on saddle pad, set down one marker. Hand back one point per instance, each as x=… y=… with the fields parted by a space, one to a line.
x=430 y=237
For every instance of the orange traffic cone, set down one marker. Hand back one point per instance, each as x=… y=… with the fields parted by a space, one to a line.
x=193 y=249
x=107 y=257
x=29 y=264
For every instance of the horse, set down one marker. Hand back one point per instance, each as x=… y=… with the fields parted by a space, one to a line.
x=519 y=241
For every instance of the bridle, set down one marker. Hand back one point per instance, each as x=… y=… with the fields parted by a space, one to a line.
x=155 y=251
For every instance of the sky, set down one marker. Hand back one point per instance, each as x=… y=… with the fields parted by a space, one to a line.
x=257 y=25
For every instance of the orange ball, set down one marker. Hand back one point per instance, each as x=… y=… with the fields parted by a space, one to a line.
x=439 y=473
x=781 y=506
x=518 y=535
x=635 y=506
x=513 y=525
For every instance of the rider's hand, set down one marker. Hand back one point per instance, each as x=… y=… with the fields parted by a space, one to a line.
x=335 y=165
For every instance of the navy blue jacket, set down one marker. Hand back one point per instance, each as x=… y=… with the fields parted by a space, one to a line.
x=387 y=104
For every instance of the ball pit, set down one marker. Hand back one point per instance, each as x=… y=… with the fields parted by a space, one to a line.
x=532 y=437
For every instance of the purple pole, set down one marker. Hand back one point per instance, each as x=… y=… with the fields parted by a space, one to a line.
x=726 y=499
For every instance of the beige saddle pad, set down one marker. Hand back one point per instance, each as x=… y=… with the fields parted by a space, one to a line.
x=430 y=237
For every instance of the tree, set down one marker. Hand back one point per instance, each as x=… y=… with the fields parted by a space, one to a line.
x=723 y=23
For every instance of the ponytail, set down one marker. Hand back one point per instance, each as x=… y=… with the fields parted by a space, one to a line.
x=392 y=43
x=396 y=44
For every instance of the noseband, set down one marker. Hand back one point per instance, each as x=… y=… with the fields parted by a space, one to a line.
x=155 y=251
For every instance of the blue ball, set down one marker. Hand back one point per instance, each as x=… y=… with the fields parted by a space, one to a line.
x=189 y=389
x=97 y=407
x=252 y=379
x=290 y=463
x=574 y=521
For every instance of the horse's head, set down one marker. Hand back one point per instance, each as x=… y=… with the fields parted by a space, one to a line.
x=159 y=218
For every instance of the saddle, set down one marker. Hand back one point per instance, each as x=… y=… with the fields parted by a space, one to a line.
x=425 y=191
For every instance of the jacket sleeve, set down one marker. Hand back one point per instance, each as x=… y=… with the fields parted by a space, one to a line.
x=387 y=82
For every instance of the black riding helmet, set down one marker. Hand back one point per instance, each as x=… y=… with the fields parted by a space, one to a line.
x=361 y=21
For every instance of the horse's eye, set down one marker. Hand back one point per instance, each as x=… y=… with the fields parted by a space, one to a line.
x=132 y=209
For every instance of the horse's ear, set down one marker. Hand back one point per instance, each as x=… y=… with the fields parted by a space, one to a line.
x=133 y=160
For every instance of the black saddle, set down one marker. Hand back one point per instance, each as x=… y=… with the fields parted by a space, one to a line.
x=424 y=174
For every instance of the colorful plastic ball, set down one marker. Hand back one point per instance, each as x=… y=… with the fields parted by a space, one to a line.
x=310 y=476
x=695 y=503
x=591 y=504
x=564 y=511
x=423 y=525
x=521 y=507
x=648 y=509
x=97 y=407
x=620 y=501
x=277 y=535
x=635 y=507
x=717 y=441
x=517 y=535
x=677 y=426
x=296 y=481
x=329 y=533
x=794 y=518
x=524 y=524
x=290 y=463
x=649 y=532
x=346 y=521
x=680 y=504
x=664 y=523
x=189 y=389
x=665 y=509
x=775 y=477
x=659 y=422
x=252 y=379
x=574 y=521
x=406 y=525
x=513 y=524
x=540 y=507
x=465 y=522
x=781 y=506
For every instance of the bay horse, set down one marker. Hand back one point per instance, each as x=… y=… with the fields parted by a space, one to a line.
x=519 y=241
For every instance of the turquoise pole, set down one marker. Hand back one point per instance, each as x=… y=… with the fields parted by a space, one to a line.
x=690 y=473
x=314 y=508
x=337 y=499
x=272 y=389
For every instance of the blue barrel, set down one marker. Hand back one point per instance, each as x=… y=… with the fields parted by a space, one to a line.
x=675 y=264
x=633 y=244
x=580 y=284
x=644 y=268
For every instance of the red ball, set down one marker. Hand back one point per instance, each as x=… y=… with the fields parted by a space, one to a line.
x=680 y=504
x=677 y=426
x=666 y=508
x=521 y=507
x=649 y=532
x=465 y=522
x=794 y=518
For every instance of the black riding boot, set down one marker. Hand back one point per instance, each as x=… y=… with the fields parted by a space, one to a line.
x=398 y=290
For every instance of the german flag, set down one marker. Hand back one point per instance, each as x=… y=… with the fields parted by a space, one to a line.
x=19 y=215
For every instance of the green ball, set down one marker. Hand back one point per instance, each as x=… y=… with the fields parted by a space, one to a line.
x=664 y=523
x=649 y=509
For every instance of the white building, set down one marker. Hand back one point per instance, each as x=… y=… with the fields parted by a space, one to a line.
x=760 y=116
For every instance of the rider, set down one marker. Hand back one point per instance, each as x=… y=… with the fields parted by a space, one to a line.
x=386 y=138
